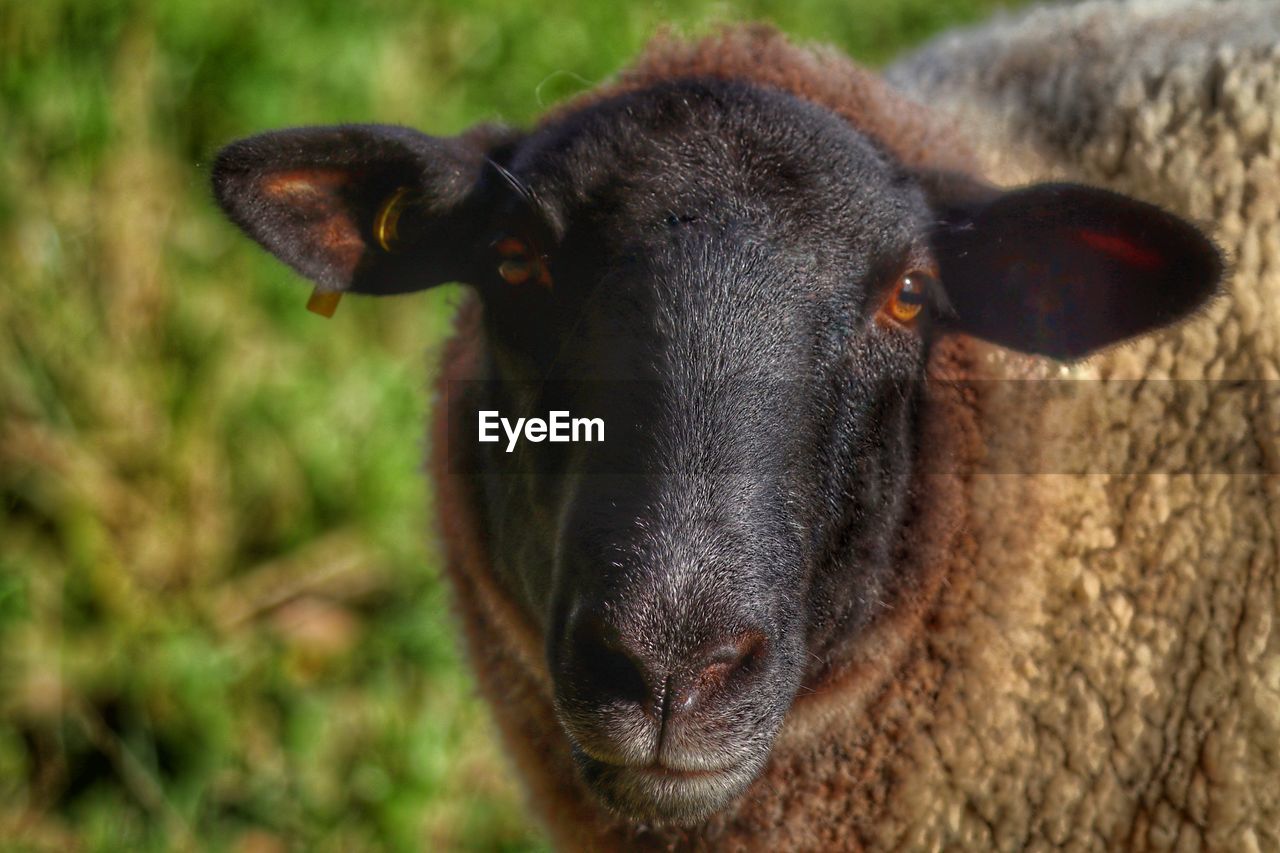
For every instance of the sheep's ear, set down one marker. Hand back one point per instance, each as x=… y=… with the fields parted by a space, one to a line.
x=1063 y=270
x=362 y=208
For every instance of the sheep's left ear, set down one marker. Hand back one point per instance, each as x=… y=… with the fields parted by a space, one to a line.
x=1063 y=270
x=363 y=208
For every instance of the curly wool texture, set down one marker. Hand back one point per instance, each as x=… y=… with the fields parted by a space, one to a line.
x=1098 y=668
x=1122 y=678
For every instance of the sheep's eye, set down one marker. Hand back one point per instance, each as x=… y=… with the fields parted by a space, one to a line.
x=521 y=263
x=908 y=298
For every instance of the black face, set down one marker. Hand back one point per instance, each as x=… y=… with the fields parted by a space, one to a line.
x=723 y=265
x=744 y=289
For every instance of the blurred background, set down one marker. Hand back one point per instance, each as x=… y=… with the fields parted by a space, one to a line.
x=221 y=620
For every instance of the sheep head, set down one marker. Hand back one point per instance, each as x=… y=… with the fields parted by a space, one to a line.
x=745 y=288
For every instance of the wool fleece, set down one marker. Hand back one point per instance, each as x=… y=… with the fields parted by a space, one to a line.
x=1121 y=687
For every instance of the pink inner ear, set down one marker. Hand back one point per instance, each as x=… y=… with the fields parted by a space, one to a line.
x=1121 y=249
x=340 y=240
x=299 y=185
x=315 y=197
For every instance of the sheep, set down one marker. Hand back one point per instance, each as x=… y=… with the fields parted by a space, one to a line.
x=793 y=602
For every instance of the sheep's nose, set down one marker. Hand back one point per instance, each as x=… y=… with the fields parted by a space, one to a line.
x=667 y=681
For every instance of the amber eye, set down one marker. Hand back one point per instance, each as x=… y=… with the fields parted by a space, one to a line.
x=521 y=263
x=909 y=297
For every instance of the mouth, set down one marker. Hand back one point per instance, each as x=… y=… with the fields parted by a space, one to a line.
x=659 y=794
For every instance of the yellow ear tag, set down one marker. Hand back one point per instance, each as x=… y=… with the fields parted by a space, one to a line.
x=324 y=302
x=384 y=224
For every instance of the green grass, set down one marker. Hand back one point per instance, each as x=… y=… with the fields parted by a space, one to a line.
x=221 y=621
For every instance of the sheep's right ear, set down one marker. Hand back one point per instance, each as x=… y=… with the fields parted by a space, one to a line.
x=362 y=208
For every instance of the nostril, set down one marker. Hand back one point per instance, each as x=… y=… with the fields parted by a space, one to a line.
x=603 y=670
x=719 y=668
x=602 y=673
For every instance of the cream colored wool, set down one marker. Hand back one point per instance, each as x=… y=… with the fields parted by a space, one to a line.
x=1096 y=665
x=1123 y=679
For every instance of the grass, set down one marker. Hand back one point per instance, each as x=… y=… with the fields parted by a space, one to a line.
x=221 y=621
